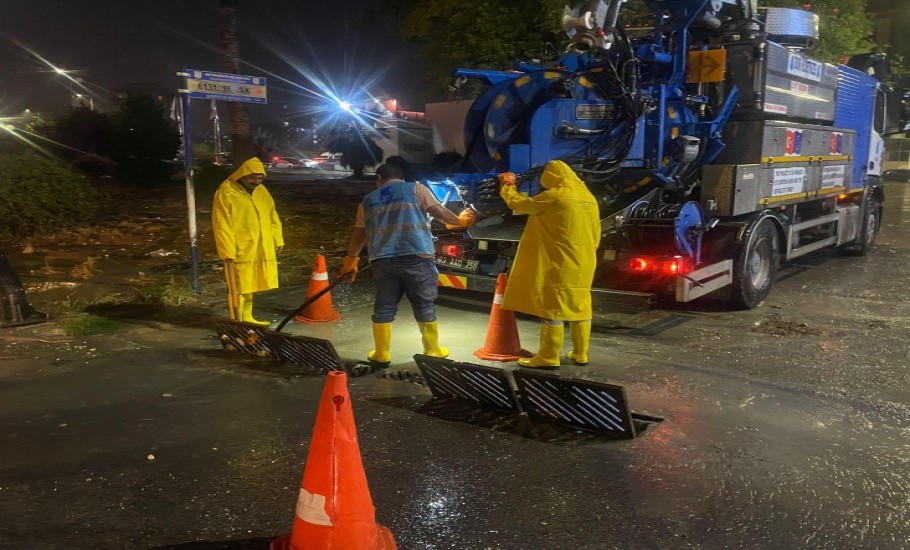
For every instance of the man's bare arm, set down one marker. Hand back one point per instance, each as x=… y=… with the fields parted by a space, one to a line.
x=443 y=214
x=358 y=239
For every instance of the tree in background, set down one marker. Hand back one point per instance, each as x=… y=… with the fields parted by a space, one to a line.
x=85 y=140
x=491 y=35
x=144 y=141
x=479 y=33
x=357 y=148
x=241 y=137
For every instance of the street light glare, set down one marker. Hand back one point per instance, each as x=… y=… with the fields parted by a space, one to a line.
x=344 y=105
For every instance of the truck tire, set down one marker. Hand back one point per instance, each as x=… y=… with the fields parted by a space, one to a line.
x=868 y=229
x=756 y=266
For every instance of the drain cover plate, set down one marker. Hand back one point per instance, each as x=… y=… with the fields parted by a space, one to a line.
x=592 y=406
x=299 y=350
x=479 y=384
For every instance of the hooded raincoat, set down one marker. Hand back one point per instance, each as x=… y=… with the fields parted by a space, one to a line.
x=554 y=266
x=247 y=230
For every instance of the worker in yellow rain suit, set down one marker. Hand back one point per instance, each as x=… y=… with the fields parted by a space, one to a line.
x=247 y=235
x=554 y=266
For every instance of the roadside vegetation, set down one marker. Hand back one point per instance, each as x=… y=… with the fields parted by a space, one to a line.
x=38 y=194
x=57 y=172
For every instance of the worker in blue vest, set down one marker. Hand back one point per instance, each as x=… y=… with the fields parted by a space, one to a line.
x=392 y=223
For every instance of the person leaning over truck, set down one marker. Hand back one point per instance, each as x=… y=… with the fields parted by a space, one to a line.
x=248 y=236
x=553 y=270
x=392 y=223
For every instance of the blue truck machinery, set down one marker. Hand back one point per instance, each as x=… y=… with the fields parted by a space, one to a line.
x=716 y=147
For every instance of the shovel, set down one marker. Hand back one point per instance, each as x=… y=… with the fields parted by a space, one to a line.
x=314 y=353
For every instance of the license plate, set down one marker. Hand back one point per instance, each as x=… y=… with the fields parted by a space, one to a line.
x=458 y=263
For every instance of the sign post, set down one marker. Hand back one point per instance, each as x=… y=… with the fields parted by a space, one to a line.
x=213 y=86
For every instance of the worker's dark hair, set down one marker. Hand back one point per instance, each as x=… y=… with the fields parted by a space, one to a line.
x=407 y=170
x=389 y=172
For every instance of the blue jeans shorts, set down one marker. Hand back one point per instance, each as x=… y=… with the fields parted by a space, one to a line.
x=407 y=275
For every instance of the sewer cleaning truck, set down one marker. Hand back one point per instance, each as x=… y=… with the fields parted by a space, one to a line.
x=715 y=145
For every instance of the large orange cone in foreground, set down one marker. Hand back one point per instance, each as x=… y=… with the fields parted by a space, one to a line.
x=320 y=311
x=502 y=343
x=334 y=509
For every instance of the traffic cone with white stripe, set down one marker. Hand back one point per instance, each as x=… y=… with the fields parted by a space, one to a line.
x=320 y=311
x=334 y=510
x=502 y=342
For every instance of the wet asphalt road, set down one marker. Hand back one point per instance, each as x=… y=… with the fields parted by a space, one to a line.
x=783 y=427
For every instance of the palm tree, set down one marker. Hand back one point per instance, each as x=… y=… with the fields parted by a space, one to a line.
x=241 y=137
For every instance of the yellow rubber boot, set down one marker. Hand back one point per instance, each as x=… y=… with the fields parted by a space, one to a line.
x=581 y=340
x=382 y=341
x=551 y=337
x=430 y=338
x=246 y=311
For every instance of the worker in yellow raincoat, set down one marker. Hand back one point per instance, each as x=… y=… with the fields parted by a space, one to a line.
x=554 y=266
x=248 y=236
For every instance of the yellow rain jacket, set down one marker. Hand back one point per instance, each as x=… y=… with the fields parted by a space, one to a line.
x=247 y=229
x=554 y=267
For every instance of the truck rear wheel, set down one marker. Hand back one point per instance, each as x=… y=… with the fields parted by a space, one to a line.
x=871 y=223
x=756 y=267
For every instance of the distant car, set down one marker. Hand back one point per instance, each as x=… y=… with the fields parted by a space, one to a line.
x=285 y=162
x=898 y=174
x=328 y=158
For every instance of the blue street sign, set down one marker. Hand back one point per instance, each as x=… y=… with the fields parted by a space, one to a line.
x=225 y=86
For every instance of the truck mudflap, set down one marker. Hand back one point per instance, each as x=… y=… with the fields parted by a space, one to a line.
x=704 y=281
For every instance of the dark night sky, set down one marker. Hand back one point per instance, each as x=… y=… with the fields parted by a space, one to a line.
x=118 y=42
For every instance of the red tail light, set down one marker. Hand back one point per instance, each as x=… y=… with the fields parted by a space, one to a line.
x=677 y=265
x=452 y=250
x=640 y=265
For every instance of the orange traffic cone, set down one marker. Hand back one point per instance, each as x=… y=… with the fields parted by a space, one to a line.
x=320 y=311
x=334 y=509
x=502 y=343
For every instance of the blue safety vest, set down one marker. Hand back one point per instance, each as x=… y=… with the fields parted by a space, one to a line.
x=394 y=223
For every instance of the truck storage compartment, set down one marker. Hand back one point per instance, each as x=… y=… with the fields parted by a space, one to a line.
x=774 y=163
x=775 y=83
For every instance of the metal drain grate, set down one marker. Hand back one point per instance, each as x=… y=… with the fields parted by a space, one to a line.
x=479 y=384
x=592 y=406
x=243 y=337
x=298 y=350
